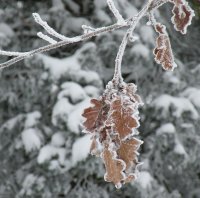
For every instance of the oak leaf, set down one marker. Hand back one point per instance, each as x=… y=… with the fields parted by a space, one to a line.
x=182 y=15
x=114 y=167
x=128 y=152
x=163 y=51
x=121 y=118
x=95 y=115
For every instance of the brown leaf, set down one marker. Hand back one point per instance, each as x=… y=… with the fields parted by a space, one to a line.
x=182 y=15
x=114 y=167
x=121 y=118
x=163 y=52
x=128 y=152
x=95 y=115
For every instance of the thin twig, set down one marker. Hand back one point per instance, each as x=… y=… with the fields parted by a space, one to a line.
x=131 y=22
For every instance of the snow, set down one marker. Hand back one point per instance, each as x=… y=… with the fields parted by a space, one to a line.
x=6 y=30
x=58 y=139
x=81 y=149
x=193 y=94
x=126 y=8
x=140 y=50
x=72 y=90
x=49 y=151
x=179 y=149
x=166 y=128
x=60 y=67
x=103 y=17
x=169 y=77
x=86 y=78
x=92 y=91
x=181 y=105
x=32 y=119
x=147 y=34
x=145 y=179
x=100 y=4
x=61 y=111
x=75 y=117
x=32 y=139
x=11 y=123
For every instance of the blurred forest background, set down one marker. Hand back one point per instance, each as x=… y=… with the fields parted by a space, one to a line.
x=43 y=153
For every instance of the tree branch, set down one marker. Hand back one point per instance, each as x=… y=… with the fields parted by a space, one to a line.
x=131 y=23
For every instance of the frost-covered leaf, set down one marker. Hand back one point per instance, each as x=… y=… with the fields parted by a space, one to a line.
x=121 y=118
x=163 y=51
x=95 y=115
x=114 y=167
x=128 y=152
x=182 y=15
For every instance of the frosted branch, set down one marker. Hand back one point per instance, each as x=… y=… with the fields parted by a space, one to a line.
x=115 y=11
x=87 y=29
x=46 y=38
x=49 y=29
x=118 y=60
x=89 y=32
x=8 y=53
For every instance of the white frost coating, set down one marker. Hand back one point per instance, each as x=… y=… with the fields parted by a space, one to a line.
x=51 y=31
x=193 y=94
x=192 y=14
x=180 y=105
x=32 y=119
x=46 y=38
x=166 y=128
x=72 y=90
x=145 y=179
x=81 y=149
x=61 y=111
x=116 y=13
x=7 y=53
x=58 y=139
x=32 y=139
x=75 y=117
x=48 y=152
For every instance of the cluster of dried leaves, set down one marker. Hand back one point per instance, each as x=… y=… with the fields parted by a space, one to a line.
x=113 y=121
x=113 y=118
x=182 y=17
